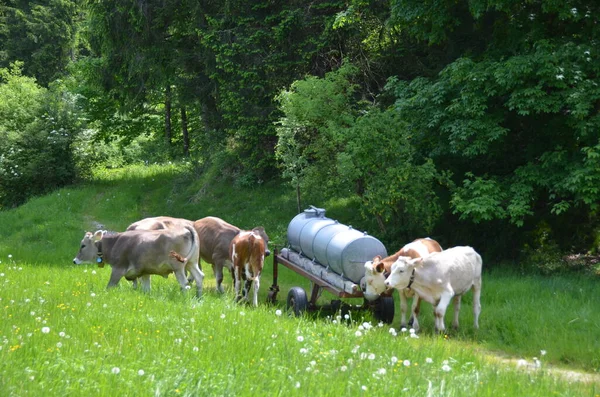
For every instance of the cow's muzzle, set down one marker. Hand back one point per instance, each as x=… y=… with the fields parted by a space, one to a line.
x=267 y=253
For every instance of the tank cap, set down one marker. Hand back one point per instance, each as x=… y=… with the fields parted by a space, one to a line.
x=313 y=211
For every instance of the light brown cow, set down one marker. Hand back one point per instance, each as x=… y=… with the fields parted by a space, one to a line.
x=247 y=252
x=140 y=253
x=379 y=268
x=215 y=239
x=160 y=223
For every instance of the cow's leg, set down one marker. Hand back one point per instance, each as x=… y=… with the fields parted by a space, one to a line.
x=440 y=311
x=116 y=274
x=181 y=278
x=414 y=315
x=457 y=299
x=403 y=308
x=256 y=286
x=476 y=302
x=237 y=282
x=145 y=282
x=218 y=271
x=198 y=276
x=134 y=282
x=247 y=285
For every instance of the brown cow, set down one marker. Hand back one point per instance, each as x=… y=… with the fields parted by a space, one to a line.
x=216 y=236
x=247 y=251
x=140 y=253
x=379 y=268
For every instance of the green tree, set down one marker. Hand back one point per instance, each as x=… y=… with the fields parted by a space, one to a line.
x=515 y=115
x=329 y=141
x=42 y=34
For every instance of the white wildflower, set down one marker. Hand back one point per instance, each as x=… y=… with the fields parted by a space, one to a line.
x=115 y=370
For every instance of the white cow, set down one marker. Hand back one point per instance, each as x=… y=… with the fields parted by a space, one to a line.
x=440 y=277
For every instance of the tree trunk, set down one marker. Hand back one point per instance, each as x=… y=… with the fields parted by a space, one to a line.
x=168 y=115
x=184 y=132
x=298 y=198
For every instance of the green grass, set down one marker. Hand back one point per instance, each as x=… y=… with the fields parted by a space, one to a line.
x=213 y=346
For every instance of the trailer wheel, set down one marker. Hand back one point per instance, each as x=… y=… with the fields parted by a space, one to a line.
x=384 y=309
x=297 y=300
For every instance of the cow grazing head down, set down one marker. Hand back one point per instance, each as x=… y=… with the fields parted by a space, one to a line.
x=402 y=272
x=247 y=251
x=374 y=278
x=379 y=268
x=89 y=252
x=260 y=231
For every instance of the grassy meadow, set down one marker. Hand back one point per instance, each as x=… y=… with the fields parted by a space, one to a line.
x=63 y=333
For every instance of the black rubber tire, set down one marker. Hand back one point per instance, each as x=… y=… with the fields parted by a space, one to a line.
x=297 y=301
x=384 y=309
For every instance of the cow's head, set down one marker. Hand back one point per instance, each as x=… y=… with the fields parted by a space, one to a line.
x=261 y=232
x=88 y=250
x=402 y=271
x=374 y=279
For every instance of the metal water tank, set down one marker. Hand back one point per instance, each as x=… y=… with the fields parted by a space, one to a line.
x=340 y=247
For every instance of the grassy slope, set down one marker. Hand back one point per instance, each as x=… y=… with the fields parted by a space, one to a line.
x=521 y=315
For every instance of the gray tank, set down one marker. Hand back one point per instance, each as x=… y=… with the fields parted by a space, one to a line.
x=326 y=241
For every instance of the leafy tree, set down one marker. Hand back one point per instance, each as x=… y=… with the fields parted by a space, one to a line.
x=42 y=34
x=328 y=140
x=37 y=128
x=515 y=115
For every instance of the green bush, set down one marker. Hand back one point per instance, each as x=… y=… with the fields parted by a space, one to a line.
x=37 y=127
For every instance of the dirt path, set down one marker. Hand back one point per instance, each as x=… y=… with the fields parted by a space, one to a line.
x=537 y=364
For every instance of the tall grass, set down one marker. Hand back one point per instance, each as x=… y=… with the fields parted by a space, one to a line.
x=125 y=342
x=63 y=332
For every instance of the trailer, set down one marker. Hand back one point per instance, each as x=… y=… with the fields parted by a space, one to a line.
x=331 y=256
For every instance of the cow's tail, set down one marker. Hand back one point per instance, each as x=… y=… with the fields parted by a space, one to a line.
x=178 y=257
x=195 y=243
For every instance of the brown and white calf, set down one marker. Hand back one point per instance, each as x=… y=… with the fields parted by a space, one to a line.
x=439 y=278
x=215 y=237
x=247 y=252
x=379 y=268
x=140 y=253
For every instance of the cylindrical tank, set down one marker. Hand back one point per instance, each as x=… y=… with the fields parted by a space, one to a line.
x=343 y=249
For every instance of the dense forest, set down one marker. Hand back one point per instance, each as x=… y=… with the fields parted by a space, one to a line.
x=474 y=120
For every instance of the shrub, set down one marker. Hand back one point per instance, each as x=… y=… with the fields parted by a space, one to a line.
x=38 y=127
